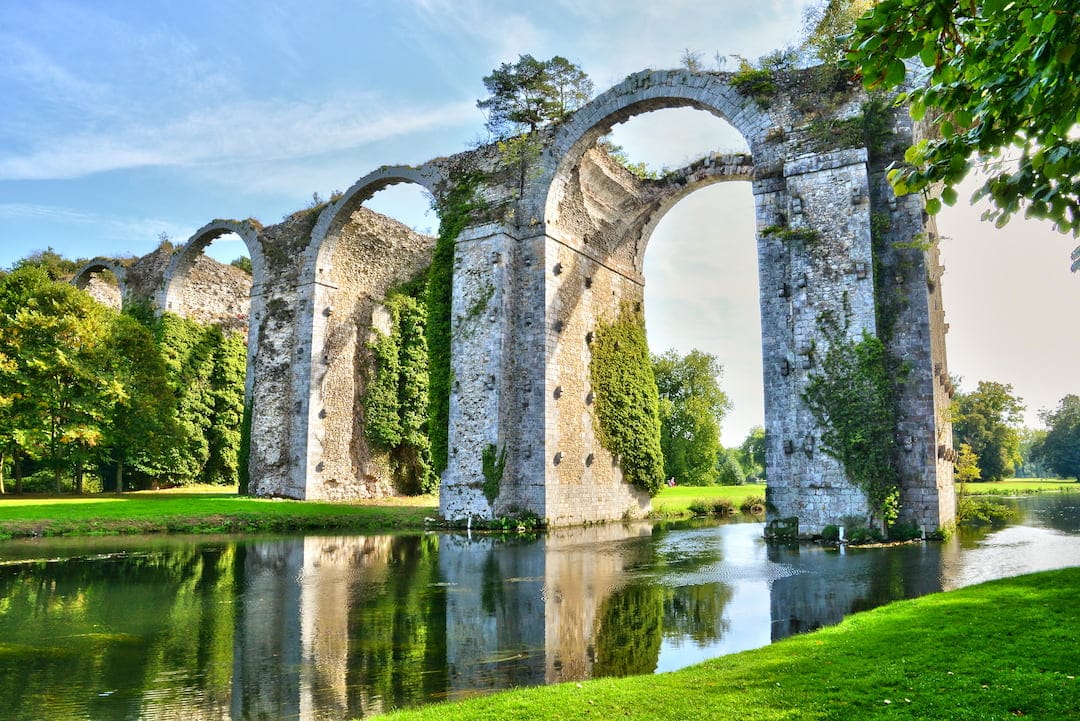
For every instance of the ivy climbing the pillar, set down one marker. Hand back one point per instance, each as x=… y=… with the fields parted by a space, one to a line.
x=627 y=401
x=854 y=400
x=396 y=401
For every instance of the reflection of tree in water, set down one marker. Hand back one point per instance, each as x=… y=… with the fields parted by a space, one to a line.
x=90 y=637
x=629 y=632
x=696 y=612
x=397 y=631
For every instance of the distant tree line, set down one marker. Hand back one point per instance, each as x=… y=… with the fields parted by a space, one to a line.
x=91 y=397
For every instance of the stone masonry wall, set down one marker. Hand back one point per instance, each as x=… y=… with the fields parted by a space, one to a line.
x=558 y=249
x=373 y=255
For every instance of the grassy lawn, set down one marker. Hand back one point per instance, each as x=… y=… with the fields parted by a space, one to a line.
x=676 y=501
x=187 y=511
x=1001 y=650
x=1017 y=486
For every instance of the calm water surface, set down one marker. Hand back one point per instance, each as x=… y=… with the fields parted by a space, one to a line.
x=331 y=627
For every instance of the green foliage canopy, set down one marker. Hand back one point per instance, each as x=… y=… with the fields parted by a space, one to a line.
x=988 y=419
x=396 y=399
x=752 y=452
x=1003 y=77
x=531 y=93
x=692 y=407
x=1060 y=448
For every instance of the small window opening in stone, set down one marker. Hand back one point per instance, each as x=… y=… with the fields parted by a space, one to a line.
x=558 y=392
x=589 y=459
x=558 y=458
x=557 y=269
x=588 y=281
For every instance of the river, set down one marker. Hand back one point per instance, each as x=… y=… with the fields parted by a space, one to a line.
x=330 y=627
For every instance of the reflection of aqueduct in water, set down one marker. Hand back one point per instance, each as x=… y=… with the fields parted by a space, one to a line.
x=532 y=281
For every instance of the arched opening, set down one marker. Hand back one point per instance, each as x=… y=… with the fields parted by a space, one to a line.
x=701 y=266
x=105 y=280
x=209 y=305
x=601 y=214
x=364 y=278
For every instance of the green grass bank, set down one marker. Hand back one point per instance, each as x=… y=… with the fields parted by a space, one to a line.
x=1021 y=486
x=192 y=512
x=211 y=510
x=1001 y=650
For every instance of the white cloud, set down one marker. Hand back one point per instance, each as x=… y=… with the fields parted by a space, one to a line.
x=247 y=132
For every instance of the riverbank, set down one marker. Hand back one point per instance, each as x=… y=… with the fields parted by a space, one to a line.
x=213 y=510
x=209 y=510
x=192 y=512
x=1003 y=649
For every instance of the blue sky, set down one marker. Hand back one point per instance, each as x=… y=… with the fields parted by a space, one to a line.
x=124 y=120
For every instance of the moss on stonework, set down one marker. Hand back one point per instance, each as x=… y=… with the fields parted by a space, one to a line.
x=627 y=416
x=492 y=464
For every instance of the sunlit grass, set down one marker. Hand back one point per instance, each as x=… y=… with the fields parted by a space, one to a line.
x=1003 y=649
x=1015 y=486
x=677 y=501
x=195 y=512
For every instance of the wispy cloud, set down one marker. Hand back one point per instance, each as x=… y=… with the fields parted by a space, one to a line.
x=253 y=131
x=129 y=232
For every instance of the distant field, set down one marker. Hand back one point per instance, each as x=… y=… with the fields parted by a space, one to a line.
x=676 y=501
x=1015 y=486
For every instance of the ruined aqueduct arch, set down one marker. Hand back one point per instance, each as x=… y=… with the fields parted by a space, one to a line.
x=85 y=275
x=535 y=275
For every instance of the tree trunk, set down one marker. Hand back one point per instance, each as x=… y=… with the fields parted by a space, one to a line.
x=79 y=478
x=119 y=476
x=16 y=467
x=3 y=459
x=56 y=477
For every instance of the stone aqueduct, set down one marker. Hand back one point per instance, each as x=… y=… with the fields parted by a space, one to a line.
x=564 y=253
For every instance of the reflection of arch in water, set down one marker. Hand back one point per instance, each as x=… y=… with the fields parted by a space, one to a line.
x=337 y=303
x=85 y=275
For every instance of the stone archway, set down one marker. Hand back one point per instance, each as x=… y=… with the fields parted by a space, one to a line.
x=85 y=276
x=354 y=257
x=574 y=258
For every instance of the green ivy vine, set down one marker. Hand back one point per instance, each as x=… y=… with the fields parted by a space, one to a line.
x=493 y=462
x=854 y=400
x=396 y=400
x=627 y=401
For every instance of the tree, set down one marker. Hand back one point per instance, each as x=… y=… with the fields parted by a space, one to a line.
x=729 y=470
x=243 y=263
x=692 y=406
x=55 y=265
x=1032 y=465
x=1002 y=75
x=53 y=336
x=967 y=465
x=140 y=425
x=752 y=452
x=1060 y=449
x=988 y=419
x=531 y=93
x=826 y=25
